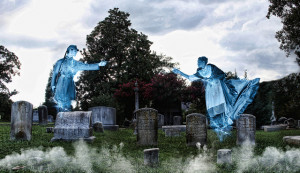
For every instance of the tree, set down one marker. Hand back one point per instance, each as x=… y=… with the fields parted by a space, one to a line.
x=49 y=98
x=128 y=55
x=289 y=35
x=9 y=67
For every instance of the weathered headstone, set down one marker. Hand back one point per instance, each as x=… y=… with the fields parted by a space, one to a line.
x=147 y=122
x=105 y=115
x=224 y=156
x=35 y=116
x=21 y=121
x=196 y=129
x=43 y=115
x=50 y=119
x=73 y=126
x=172 y=132
x=246 y=127
x=299 y=124
x=98 y=127
x=151 y=157
x=161 y=120
x=177 y=120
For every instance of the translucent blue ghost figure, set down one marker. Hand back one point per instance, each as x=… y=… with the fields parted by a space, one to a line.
x=62 y=83
x=225 y=99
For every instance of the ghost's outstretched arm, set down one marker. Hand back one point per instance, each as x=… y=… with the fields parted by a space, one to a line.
x=189 y=77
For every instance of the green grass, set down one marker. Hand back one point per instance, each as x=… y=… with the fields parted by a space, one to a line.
x=174 y=155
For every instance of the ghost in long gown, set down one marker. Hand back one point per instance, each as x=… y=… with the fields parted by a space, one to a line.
x=225 y=99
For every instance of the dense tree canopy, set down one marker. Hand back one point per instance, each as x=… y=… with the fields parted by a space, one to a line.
x=289 y=35
x=9 y=67
x=128 y=55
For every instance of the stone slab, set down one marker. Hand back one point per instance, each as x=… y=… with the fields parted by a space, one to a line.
x=181 y=128
x=103 y=114
x=172 y=132
x=275 y=128
x=292 y=140
x=70 y=126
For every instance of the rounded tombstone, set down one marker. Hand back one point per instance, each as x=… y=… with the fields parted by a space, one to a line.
x=105 y=115
x=246 y=127
x=43 y=115
x=21 y=121
x=177 y=120
x=196 y=130
x=147 y=126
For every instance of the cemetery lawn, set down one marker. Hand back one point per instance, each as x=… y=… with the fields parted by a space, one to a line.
x=174 y=155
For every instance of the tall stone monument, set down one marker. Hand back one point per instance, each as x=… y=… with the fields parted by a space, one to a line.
x=105 y=115
x=73 y=126
x=246 y=127
x=43 y=115
x=21 y=121
x=147 y=126
x=196 y=129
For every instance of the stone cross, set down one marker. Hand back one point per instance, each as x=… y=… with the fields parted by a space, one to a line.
x=196 y=130
x=21 y=121
x=136 y=92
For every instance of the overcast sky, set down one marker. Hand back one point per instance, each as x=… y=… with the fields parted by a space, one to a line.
x=232 y=34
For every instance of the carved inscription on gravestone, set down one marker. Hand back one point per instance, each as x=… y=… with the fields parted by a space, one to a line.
x=147 y=126
x=196 y=129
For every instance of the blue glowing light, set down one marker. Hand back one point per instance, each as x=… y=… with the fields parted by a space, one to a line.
x=62 y=83
x=225 y=99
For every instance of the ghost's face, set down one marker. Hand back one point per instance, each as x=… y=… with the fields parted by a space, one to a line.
x=72 y=52
x=201 y=64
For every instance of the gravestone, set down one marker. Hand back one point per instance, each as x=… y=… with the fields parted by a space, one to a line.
x=224 y=156
x=299 y=124
x=177 y=120
x=161 y=120
x=50 y=119
x=98 y=127
x=196 y=129
x=181 y=128
x=43 y=115
x=246 y=127
x=21 y=121
x=274 y=128
x=147 y=122
x=295 y=140
x=105 y=115
x=73 y=126
x=151 y=157
x=35 y=116
x=172 y=132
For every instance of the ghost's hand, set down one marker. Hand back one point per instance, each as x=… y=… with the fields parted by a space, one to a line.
x=102 y=63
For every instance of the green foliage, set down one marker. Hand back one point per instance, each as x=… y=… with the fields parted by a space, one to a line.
x=289 y=35
x=173 y=152
x=49 y=98
x=285 y=93
x=128 y=55
x=9 y=67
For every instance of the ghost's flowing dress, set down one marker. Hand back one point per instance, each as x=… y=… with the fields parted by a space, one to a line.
x=225 y=99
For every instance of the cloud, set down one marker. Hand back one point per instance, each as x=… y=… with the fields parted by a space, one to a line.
x=8 y=6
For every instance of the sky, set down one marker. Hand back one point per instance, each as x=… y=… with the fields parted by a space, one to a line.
x=235 y=35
